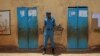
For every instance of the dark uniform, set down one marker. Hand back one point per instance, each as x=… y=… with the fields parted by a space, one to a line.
x=49 y=31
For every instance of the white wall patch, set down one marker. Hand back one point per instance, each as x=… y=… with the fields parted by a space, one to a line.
x=22 y=13
x=32 y=13
x=82 y=13
x=73 y=13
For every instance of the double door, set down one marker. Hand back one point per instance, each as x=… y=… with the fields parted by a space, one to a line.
x=27 y=27
x=77 y=27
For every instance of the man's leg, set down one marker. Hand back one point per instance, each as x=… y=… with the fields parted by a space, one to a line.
x=52 y=41
x=45 y=43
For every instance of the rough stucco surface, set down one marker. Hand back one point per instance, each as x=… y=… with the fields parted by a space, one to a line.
x=59 y=11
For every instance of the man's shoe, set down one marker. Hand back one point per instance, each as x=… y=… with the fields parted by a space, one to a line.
x=44 y=51
x=53 y=51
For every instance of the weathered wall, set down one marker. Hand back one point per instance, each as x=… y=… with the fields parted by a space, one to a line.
x=59 y=11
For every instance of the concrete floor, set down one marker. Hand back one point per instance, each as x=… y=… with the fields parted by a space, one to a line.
x=40 y=54
x=59 y=51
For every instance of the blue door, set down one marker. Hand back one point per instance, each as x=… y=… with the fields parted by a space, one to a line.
x=22 y=27
x=83 y=27
x=27 y=27
x=33 y=27
x=77 y=27
x=72 y=28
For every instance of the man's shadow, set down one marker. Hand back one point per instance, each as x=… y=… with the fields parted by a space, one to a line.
x=59 y=49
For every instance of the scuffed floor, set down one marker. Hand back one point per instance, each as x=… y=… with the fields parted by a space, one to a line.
x=59 y=51
x=40 y=54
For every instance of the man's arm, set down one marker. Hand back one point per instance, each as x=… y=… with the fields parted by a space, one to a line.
x=43 y=28
x=44 y=25
x=54 y=24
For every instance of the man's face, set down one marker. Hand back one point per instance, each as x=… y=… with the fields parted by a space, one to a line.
x=48 y=15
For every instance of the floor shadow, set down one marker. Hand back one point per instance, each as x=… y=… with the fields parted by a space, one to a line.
x=59 y=49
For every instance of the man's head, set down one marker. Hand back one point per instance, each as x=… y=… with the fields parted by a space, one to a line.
x=48 y=14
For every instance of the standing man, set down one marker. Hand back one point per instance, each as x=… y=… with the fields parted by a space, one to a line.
x=49 y=24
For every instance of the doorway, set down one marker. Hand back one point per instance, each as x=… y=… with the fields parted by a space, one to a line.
x=27 y=27
x=77 y=28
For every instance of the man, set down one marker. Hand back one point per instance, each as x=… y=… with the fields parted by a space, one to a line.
x=49 y=24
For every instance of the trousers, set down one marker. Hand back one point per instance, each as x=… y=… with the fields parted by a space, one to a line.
x=49 y=34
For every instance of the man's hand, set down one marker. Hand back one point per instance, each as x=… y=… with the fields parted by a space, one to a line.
x=43 y=28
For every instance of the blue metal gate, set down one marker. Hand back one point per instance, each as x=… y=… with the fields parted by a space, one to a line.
x=77 y=27
x=27 y=27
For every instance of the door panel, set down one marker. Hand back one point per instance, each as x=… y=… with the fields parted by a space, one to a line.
x=83 y=27
x=33 y=28
x=22 y=27
x=72 y=26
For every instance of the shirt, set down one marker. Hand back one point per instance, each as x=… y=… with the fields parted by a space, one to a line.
x=49 y=23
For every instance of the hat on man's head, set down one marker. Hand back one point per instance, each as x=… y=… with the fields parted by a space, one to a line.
x=48 y=13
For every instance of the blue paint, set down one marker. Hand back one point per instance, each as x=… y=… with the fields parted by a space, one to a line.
x=22 y=28
x=72 y=26
x=83 y=29
x=27 y=28
x=77 y=28
x=33 y=29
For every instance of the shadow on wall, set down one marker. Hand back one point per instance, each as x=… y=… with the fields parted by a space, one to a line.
x=95 y=48
x=58 y=30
